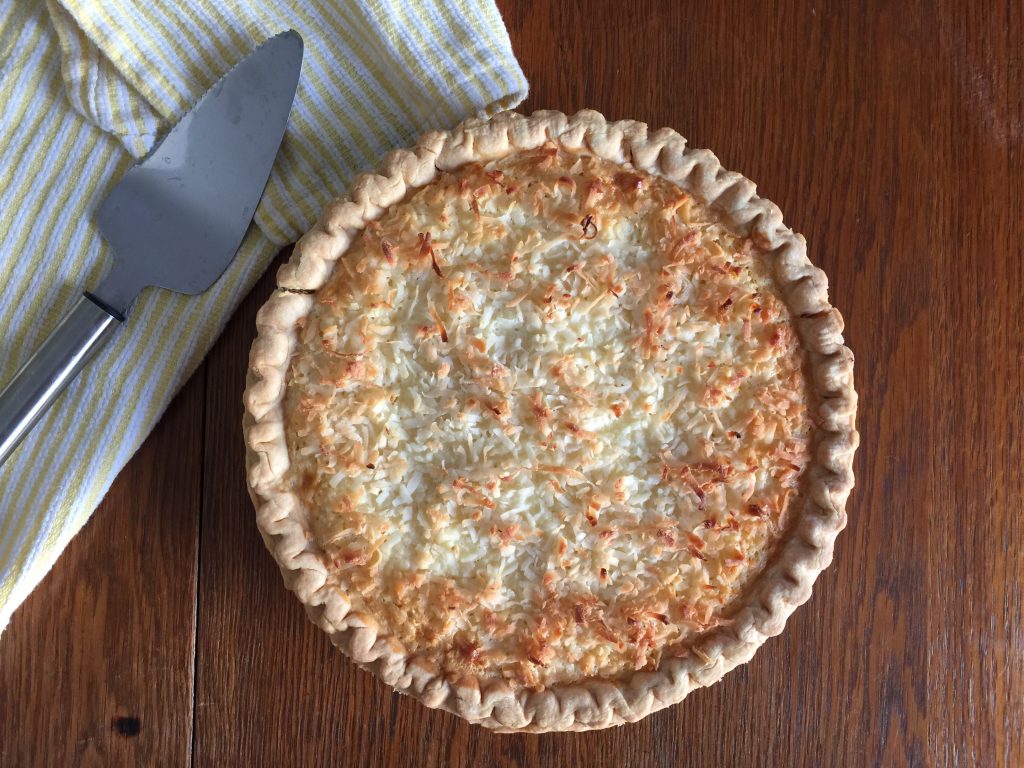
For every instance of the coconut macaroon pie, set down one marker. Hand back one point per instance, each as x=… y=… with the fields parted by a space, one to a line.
x=550 y=422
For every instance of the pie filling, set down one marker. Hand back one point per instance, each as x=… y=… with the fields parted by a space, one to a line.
x=545 y=420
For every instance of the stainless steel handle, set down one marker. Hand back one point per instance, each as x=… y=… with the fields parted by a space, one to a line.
x=83 y=331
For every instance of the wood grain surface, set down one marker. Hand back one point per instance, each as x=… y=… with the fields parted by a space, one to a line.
x=891 y=134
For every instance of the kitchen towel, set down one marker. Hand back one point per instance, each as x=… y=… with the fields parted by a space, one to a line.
x=86 y=89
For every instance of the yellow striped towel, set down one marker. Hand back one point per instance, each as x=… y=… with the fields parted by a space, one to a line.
x=85 y=89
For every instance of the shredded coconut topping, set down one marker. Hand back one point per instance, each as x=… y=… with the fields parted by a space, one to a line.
x=546 y=419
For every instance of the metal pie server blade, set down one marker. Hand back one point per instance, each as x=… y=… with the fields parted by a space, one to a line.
x=174 y=221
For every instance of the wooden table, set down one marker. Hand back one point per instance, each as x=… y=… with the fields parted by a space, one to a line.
x=892 y=137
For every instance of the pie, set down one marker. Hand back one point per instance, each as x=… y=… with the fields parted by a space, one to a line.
x=550 y=422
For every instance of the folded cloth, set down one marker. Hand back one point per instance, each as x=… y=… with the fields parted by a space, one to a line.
x=86 y=89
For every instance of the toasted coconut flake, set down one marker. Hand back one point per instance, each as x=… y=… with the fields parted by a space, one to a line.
x=589 y=227
x=440 y=325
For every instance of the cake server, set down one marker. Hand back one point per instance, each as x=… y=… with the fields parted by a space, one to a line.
x=174 y=221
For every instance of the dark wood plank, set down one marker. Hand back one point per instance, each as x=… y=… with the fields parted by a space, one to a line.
x=96 y=668
x=976 y=530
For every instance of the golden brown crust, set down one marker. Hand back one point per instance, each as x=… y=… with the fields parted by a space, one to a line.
x=819 y=515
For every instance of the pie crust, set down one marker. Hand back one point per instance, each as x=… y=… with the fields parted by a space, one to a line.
x=803 y=549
